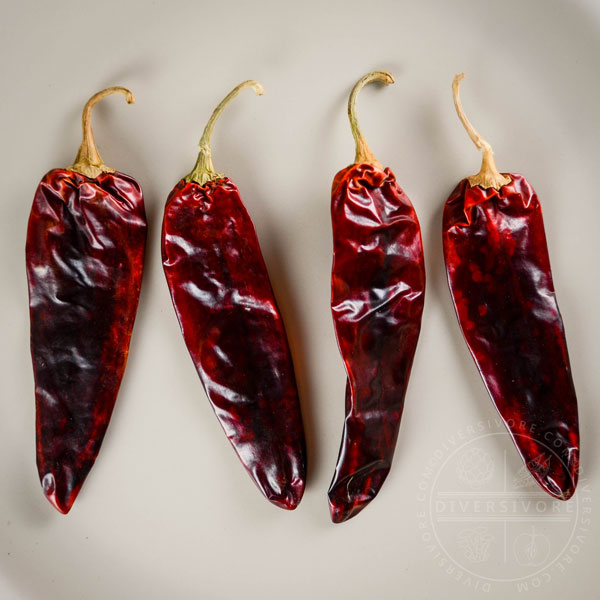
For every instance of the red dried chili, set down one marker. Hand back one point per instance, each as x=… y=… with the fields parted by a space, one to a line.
x=501 y=284
x=85 y=251
x=378 y=289
x=231 y=324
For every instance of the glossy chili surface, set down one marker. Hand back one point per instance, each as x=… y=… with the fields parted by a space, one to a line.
x=501 y=284
x=85 y=252
x=378 y=288
x=234 y=332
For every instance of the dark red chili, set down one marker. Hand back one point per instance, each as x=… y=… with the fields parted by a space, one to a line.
x=231 y=324
x=85 y=252
x=378 y=290
x=501 y=284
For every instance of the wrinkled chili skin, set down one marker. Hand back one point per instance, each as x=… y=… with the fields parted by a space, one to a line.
x=378 y=290
x=84 y=253
x=233 y=330
x=501 y=284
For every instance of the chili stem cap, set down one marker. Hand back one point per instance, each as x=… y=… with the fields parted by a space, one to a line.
x=203 y=170
x=88 y=161
x=363 y=152
x=488 y=176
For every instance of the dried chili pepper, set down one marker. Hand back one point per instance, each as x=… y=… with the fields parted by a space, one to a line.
x=231 y=324
x=501 y=284
x=378 y=290
x=85 y=251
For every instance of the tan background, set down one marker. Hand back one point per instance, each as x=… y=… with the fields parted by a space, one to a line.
x=168 y=512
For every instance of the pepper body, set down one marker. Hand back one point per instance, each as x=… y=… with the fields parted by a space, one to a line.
x=378 y=290
x=234 y=332
x=85 y=251
x=501 y=284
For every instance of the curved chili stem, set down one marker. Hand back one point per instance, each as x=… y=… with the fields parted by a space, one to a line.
x=88 y=161
x=363 y=152
x=203 y=170
x=488 y=176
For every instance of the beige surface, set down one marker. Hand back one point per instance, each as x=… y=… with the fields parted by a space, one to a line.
x=167 y=511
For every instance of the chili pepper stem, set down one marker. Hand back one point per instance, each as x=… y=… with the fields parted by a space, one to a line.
x=363 y=152
x=488 y=176
x=88 y=161
x=203 y=170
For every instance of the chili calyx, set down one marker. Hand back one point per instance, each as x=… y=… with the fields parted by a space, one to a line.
x=203 y=170
x=502 y=288
x=231 y=324
x=88 y=161
x=377 y=295
x=488 y=176
x=85 y=251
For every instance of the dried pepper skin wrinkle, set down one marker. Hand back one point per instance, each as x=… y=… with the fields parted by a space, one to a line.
x=501 y=285
x=234 y=332
x=378 y=291
x=233 y=329
x=84 y=254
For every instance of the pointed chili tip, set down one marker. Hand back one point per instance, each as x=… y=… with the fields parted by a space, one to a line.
x=352 y=493
x=557 y=478
x=285 y=501
x=61 y=502
x=344 y=512
x=60 y=507
x=566 y=494
x=289 y=497
x=561 y=490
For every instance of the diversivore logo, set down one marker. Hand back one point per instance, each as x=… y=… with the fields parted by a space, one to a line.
x=486 y=522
